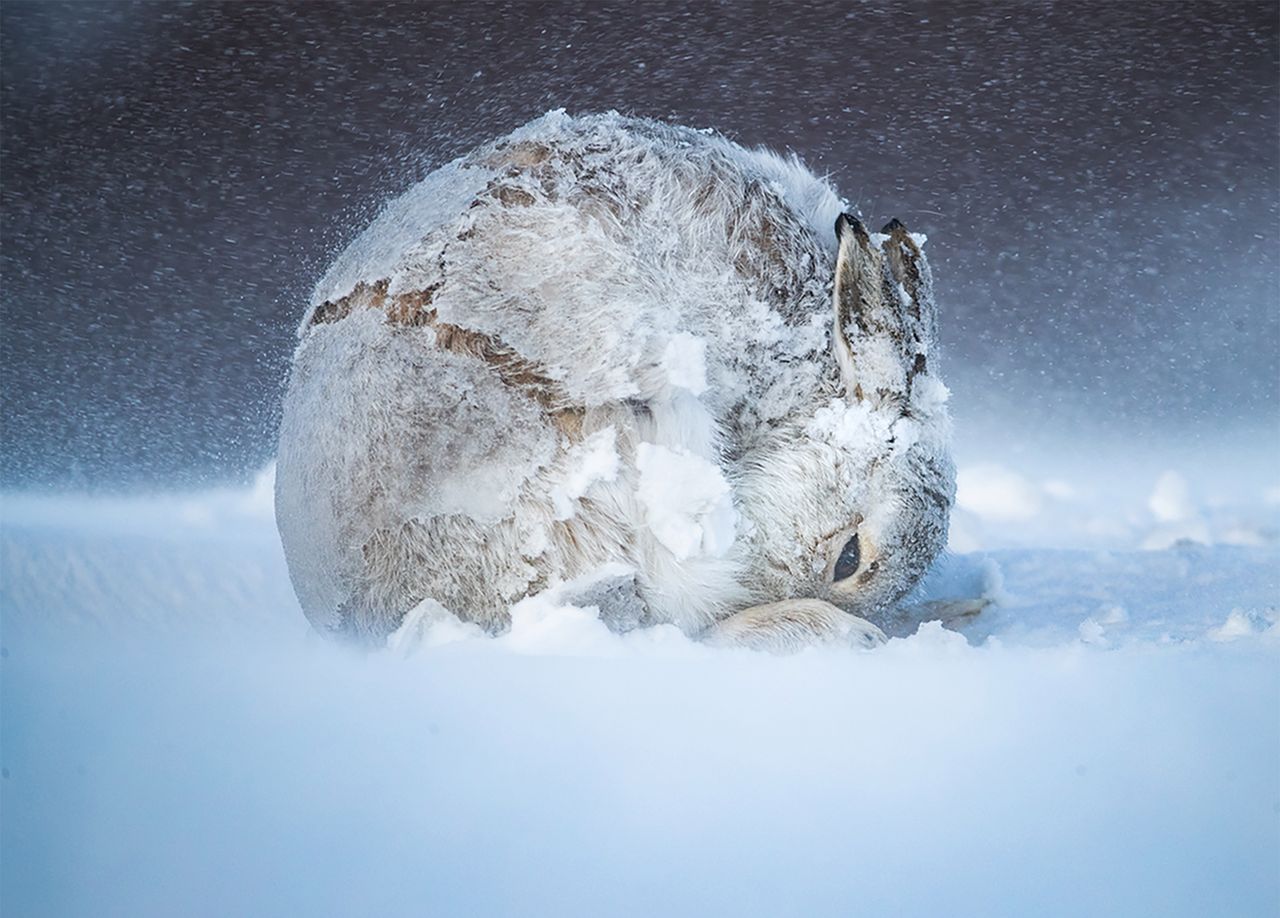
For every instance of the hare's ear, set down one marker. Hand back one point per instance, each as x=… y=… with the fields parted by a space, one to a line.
x=884 y=314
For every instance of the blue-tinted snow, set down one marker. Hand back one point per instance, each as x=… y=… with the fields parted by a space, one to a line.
x=176 y=742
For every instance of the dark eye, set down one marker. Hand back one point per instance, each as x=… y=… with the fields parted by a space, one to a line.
x=850 y=558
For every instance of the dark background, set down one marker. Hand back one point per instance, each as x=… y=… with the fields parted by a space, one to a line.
x=1099 y=182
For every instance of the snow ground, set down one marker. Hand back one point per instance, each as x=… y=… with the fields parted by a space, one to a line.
x=1105 y=741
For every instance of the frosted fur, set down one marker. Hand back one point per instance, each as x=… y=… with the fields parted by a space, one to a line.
x=602 y=342
x=406 y=466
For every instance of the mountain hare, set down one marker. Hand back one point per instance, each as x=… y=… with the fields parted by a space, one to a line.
x=627 y=355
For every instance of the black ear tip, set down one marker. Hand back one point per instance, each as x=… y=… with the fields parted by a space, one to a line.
x=850 y=221
x=894 y=224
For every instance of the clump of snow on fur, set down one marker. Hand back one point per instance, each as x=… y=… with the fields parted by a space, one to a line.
x=594 y=460
x=851 y=426
x=687 y=501
x=685 y=363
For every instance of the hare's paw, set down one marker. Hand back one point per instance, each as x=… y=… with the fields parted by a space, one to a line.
x=792 y=625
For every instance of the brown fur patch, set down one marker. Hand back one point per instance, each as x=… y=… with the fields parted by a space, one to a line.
x=511 y=196
x=568 y=421
x=514 y=370
x=521 y=155
x=364 y=296
x=413 y=310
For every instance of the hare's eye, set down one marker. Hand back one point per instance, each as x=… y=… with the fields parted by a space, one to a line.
x=850 y=558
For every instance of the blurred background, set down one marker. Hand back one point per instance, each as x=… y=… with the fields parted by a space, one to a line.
x=1098 y=181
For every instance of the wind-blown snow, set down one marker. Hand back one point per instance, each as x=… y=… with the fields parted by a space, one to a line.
x=1102 y=740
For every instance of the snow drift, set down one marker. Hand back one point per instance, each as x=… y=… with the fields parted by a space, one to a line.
x=1105 y=741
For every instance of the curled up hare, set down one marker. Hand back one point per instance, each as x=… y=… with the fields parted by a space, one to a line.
x=631 y=357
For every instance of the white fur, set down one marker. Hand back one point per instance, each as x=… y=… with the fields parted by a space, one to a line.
x=676 y=291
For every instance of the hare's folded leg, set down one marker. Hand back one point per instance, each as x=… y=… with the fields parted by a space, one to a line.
x=792 y=625
x=954 y=614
